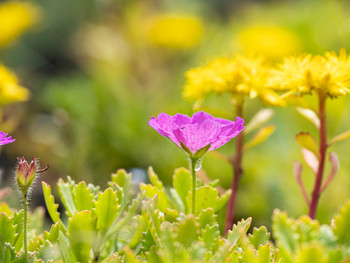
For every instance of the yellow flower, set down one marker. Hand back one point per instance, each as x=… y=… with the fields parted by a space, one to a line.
x=10 y=91
x=16 y=17
x=240 y=76
x=270 y=41
x=328 y=74
x=176 y=31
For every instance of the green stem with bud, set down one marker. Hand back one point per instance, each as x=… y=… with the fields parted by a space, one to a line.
x=25 y=205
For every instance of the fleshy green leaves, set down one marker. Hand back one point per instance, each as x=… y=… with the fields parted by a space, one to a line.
x=82 y=234
x=178 y=199
x=7 y=229
x=341 y=226
x=106 y=209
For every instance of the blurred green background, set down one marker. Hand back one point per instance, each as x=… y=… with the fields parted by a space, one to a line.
x=98 y=70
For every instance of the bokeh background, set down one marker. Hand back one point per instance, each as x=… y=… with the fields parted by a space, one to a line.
x=97 y=70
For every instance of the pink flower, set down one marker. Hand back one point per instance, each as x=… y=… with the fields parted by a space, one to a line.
x=5 y=140
x=198 y=134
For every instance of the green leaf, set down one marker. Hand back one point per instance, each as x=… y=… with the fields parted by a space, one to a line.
x=122 y=178
x=222 y=200
x=140 y=228
x=341 y=226
x=311 y=253
x=284 y=230
x=82 y=234
x=258 y=120
x=83 y=199
x=65 y=190
x=18 y=219
x=154 y=178
x=210 y=235
x=308 y=142
x=120 y=222
x=5 y=209
x=7 y=229
x=188 y=231
x=171 y=215
x=182 y=182
x=114 y=258
x=65 y=250
x=259 y=237
x=260 y=136
x=106 y=209
x=52 y=207
x=50 y=203
x=206 y=197
x=340 y=137
x=264 y=254
x=307 y=229
x=52 y=236
x=207 y=217
x=310 y=115
x=238 y=232
x=152 y=191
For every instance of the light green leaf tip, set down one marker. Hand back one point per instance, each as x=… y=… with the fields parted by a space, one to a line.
x=83 y=199
x=259 y=237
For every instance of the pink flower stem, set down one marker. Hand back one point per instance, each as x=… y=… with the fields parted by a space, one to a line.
x=323 y=149
x=236 y=164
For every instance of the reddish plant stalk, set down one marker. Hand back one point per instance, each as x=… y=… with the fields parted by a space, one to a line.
x=323 y=149
x=236 y=164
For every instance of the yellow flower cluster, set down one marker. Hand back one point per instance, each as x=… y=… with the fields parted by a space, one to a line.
x=239 y=76
x=10 y=91
x=176 y=31
x=16 y=17
x=328 y=75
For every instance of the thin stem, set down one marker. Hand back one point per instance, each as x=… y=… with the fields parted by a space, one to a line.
x=193 y=170
x=236 y=164
x=25 y=204
x=323 y=148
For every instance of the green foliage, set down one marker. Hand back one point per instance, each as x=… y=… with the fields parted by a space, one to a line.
x=180 y=197
x=116 y=225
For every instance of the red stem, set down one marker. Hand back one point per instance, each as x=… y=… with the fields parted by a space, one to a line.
x=323 y=148
x=236 y=163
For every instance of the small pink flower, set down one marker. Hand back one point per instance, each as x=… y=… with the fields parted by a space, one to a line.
x=198 y=134
x=5 y=140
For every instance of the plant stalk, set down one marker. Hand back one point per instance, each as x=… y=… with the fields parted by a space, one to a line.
x=323 y=149
x=25 y=205
x=236 y=164
x=193 y=170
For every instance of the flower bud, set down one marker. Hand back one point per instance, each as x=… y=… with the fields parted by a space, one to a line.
x=25 y=173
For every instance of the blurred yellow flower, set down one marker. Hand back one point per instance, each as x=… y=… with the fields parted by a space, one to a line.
x=240 y=76
x=10 y=91
x=270 y=41
x=176 y=31
x=328 y=74
x=16 y=17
